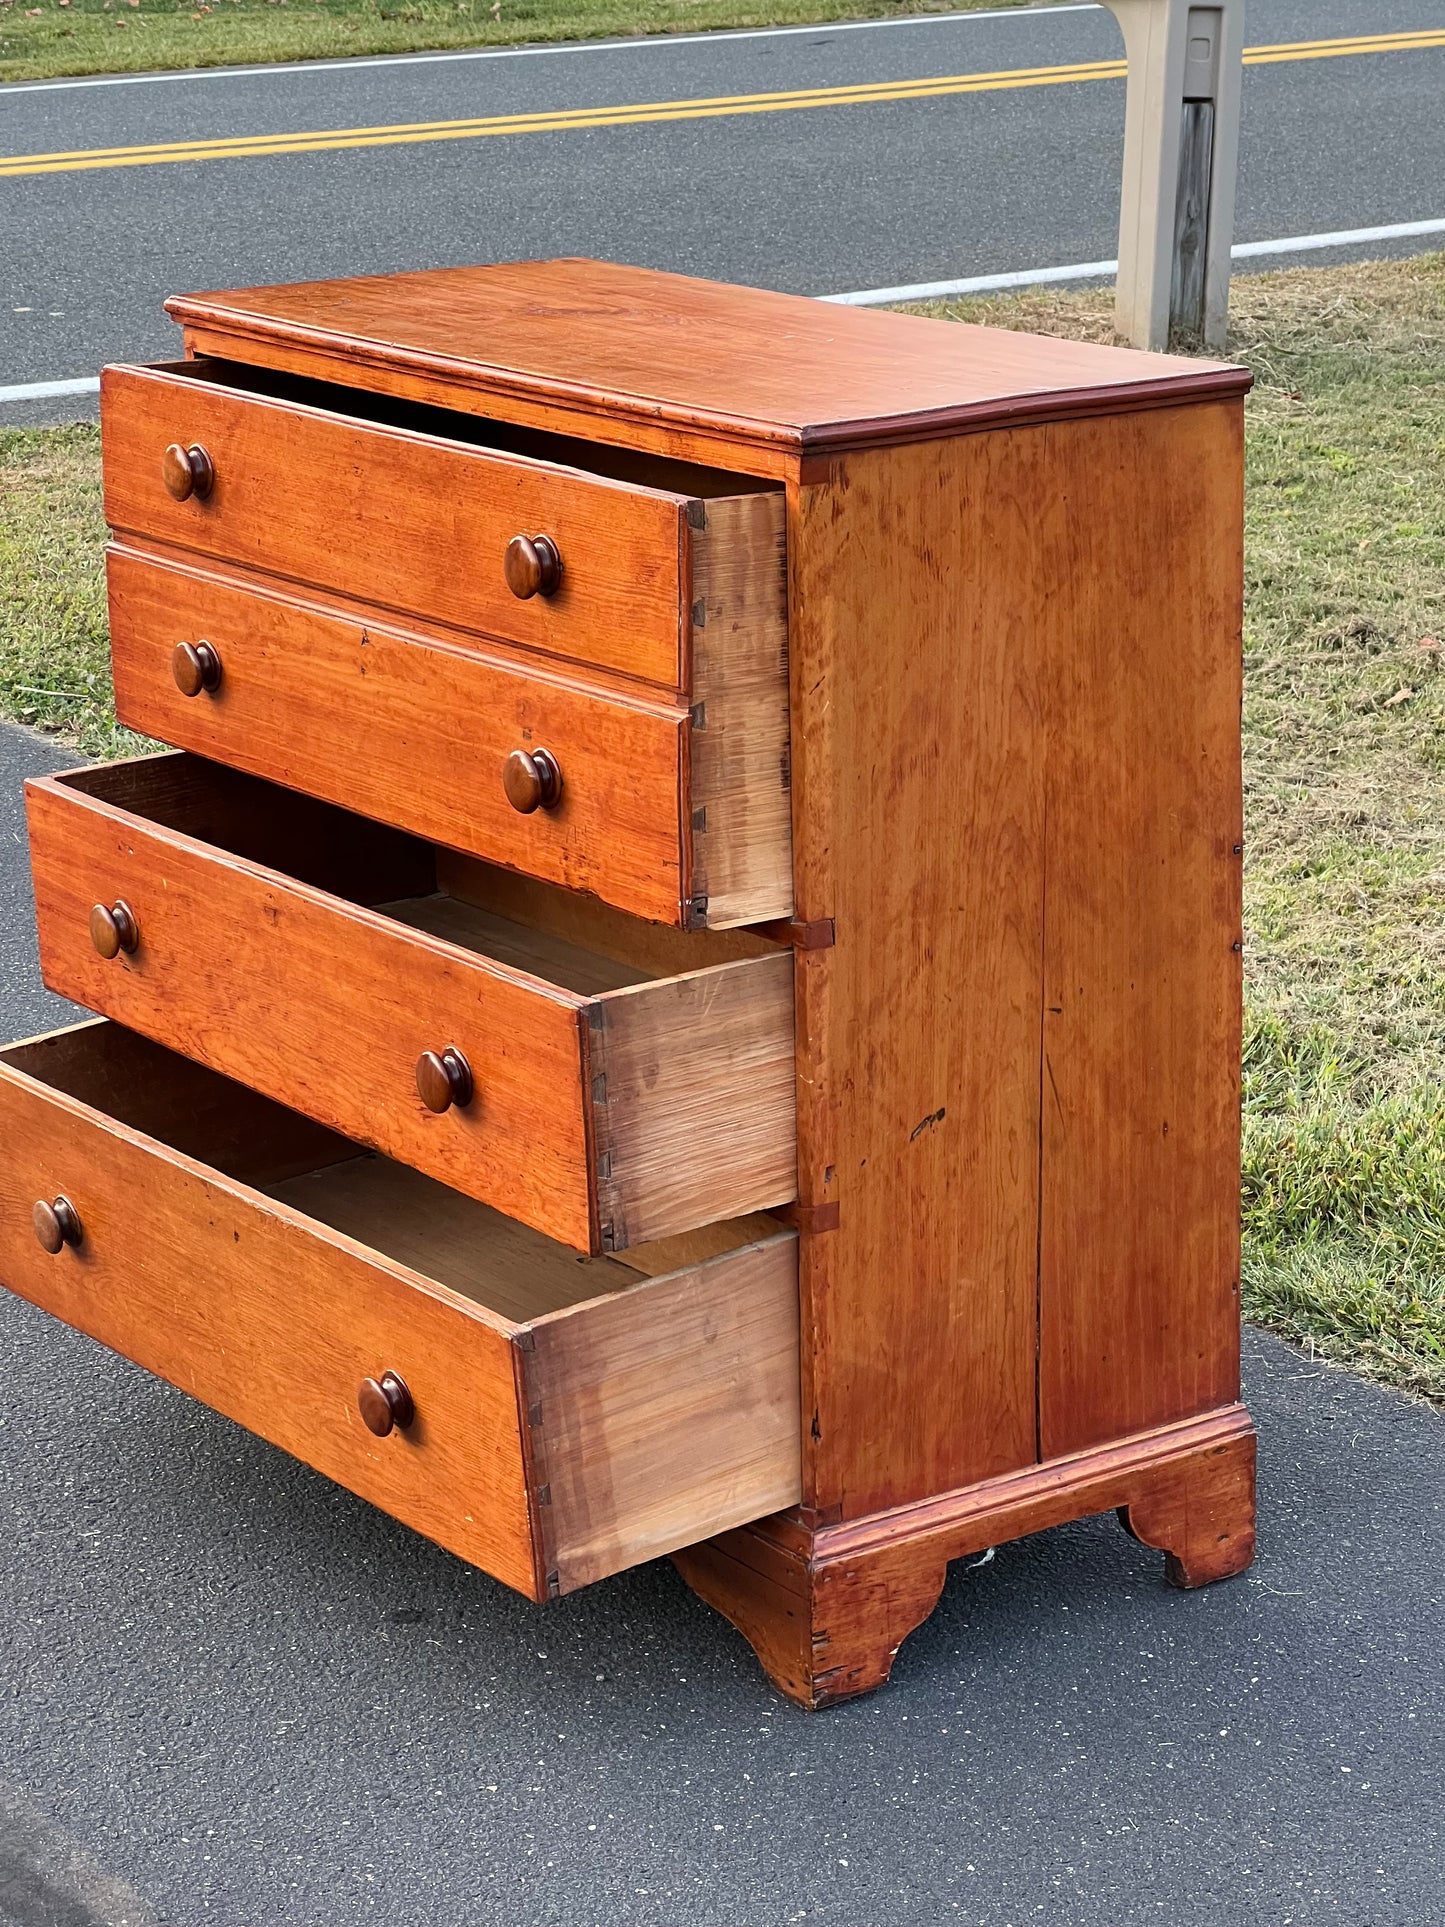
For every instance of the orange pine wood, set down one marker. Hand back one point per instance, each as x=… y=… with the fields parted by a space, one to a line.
x=1139 y=1233
x=409 y=522
x=617 y=352
x=918 y=783
x=262 y=1313
x=827 y=1607
x=1010 y=752
x=304 y=683
x=600 y=1425
x=294 y=987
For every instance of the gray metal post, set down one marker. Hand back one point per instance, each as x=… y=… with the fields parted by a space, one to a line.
x=1181 y=150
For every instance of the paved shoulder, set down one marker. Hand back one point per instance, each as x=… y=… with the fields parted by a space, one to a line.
x=26 y=1005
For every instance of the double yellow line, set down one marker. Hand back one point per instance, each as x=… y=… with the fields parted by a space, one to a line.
x=566 y=121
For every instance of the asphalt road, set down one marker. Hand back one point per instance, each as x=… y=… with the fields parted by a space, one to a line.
x=231 y=1693
x=823 y=201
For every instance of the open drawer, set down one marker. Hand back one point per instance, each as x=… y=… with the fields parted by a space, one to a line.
x=586 y=553
x=550 y=1418
x=604 y=1080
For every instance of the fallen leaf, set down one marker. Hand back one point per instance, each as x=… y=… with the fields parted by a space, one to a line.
x=1400 y=696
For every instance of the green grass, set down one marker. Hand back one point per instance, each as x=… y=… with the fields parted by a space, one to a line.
x=54 y=638
x=39 y=41
x=1344 y=1131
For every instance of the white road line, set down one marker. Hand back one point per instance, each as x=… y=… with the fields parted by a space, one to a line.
x=976 y=284
x=1101 y=270
x=531 y=53
x=44 y=390
x=941 y=290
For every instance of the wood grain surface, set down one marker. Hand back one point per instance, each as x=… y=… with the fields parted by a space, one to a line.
x=664 y=1406
x=918 y=611
x=1018 y=1065
x=306 y=683
x=260 y=1312
x=694 y=1112
x=412 y=523
x=599 y=1128
x=601 y=1421
x=1139 y=1232
x=741 y=806
x=613 y=351
x=826 y=1608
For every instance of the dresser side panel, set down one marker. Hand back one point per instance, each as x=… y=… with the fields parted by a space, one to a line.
x=1139 y=1246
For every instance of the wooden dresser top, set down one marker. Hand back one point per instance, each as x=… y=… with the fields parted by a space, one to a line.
x=774 y=372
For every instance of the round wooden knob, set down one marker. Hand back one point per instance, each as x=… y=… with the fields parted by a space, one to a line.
x=187 y=472
x=385 y=1404
x=195 y=666
x=56 y=1225
x=532 y=780
x=532 y=566
x=443 y=1079
x=115 y=929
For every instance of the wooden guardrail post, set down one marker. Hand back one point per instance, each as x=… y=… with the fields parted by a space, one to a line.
x=1181 y=147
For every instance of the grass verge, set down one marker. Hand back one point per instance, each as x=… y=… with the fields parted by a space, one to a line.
x=41 y=40
x=1344 y=1130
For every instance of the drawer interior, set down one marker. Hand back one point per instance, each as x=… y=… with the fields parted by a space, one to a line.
x=422 y=418
x=571 y=941
x=476 y=1252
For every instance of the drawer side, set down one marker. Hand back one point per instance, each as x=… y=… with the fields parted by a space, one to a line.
x=693 y=1099
x=741 y=799
x=667 y=1413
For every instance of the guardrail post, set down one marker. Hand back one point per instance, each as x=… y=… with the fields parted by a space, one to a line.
x=1181 y=150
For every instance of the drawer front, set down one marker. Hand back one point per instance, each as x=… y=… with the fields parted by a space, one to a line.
x=252 y=1309
x=321 y=1004
x=410 y=522
x=549 y=1451
x=600 y=1120
x=408 y=731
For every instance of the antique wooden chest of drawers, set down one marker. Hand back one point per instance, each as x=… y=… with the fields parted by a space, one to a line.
x=680 y=992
